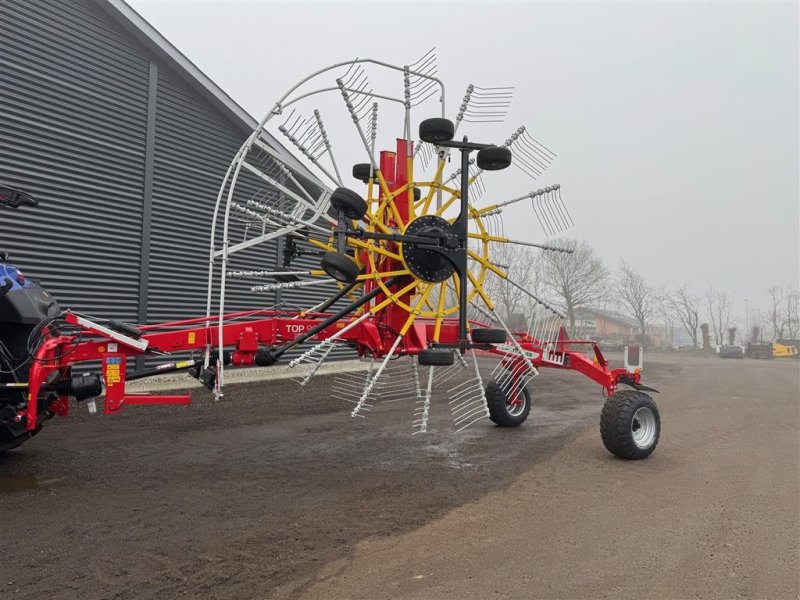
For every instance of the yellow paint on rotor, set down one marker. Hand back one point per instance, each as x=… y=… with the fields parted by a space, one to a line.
x=423 y=302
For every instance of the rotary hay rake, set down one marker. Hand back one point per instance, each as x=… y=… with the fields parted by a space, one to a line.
x=407 y=258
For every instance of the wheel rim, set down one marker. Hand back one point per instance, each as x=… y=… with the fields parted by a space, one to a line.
x=644 y=427
x=516 y=406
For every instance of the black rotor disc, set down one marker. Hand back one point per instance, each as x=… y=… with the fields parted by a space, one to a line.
x=429 y=265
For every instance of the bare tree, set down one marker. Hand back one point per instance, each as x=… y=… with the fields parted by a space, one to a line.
x=784 y=313
x=665 y=311
x=686 y=307
x=793 y=314
x=523 y=266
x=636 y=296
x=577 y=279
x=719 y=306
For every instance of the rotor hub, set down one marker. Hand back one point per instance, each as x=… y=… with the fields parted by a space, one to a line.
x=425 y=263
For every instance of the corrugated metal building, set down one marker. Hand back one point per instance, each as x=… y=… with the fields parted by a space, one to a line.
x=125 y=142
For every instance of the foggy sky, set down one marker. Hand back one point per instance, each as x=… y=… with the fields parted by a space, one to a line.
x=676 y=125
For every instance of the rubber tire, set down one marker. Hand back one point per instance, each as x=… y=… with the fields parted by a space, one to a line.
x=488 y=336
x=616 y=420
x=340 y=266
x=435 y=357
x=363 y=172
x=349 y=202
x=436 y=130
x=496 y=401
x=494 y=158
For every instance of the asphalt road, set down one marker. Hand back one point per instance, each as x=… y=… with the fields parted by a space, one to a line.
x=277 y=493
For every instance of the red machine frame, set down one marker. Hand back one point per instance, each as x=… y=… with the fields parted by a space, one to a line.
x=249 y=332
x=266 y=327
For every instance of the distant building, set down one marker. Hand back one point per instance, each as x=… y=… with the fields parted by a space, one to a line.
x=591 y=323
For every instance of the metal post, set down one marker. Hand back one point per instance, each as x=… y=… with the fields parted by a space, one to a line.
x=147 y=200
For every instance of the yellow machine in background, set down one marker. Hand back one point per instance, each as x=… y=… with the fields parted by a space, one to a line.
x=783 y=351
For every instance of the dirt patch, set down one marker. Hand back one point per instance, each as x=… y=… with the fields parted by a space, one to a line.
x=264 y=490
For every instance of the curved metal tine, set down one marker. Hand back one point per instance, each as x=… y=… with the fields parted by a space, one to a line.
x=350 y=66
x=564 y=206
x=417 y=81
x=362 y=401
x=478 y=102
x=308 y=128
x=361 y=105
x=422 y=413
x=536 y=162
x=420 y=86
x=553 y=217
x=260 y=274
x=556 y=209
x=424 y=57
x=361 y=91
x=542 y=216
x=457 y=172
x=425 y=63
x=485 y=105
x=470 y=399
x=314 y=361
x=349 y=386
x=524 y=162
x=289 y=124
x=537 y=146
x=446 y=374
x=536 y=212
x=537 y=149
x=424 y=70
x=482 y=119
x=500 y=89
x=354 y=71
x=430 y=95
x=425 y=153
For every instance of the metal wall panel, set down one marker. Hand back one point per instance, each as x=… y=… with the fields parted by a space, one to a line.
x=75 y=88
x=73 y=103
x=194 y=145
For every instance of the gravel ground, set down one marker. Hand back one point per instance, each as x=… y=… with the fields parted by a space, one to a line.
x=277 y=492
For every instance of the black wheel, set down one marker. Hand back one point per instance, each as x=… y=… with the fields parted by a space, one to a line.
x=340 y=266
x=494 y=158
x=435 y=357
x=630 y=425
x=436 y=130
x=363 y=172
x=349 y=202
x=488 y=336
x=505 y=411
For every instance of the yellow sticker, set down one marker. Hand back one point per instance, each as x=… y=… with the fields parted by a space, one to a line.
x=340 y=324
x=191 y=337
x=112 y=374
x=101 y=349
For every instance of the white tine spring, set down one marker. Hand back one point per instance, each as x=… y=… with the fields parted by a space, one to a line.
x=485 y=105
x=423 y=407
x=350 y=386
x=330 y=340
x=468 y=399
x=362 y=401
x=530 y=156
x=425 y=153
x=289 y=285
x=313 y=360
